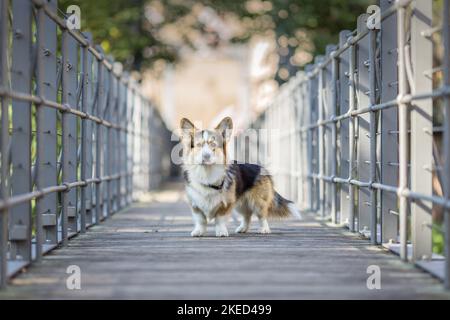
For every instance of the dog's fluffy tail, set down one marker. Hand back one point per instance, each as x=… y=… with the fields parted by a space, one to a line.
x=283 y=208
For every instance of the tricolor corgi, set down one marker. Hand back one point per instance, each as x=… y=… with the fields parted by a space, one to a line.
x=215 y=187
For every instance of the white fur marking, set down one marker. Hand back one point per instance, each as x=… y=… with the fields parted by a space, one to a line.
x=294 y=211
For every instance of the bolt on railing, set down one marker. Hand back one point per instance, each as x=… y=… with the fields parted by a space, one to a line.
x=79 y=141
x=359 y=127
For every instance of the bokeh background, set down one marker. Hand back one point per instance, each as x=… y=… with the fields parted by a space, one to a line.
x=205 y=59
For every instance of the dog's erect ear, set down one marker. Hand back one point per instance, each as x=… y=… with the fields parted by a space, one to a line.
x=225 y=128
x=185 y=124
x=187 y=131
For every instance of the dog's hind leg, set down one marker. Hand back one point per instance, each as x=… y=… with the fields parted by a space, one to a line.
x=200 y=223
x=246 y=216
x=262 y=214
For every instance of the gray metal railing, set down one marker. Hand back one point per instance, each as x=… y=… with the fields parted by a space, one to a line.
x=78 y=139
x=358 y=132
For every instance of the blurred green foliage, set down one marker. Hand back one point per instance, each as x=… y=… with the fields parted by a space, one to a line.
x=130 y=30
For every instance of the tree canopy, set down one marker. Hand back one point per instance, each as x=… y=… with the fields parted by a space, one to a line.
x=140 y=32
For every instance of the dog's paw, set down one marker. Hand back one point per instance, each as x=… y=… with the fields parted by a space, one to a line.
x=198 y=233
x=241 y=229
x=221 y=232
x=265 y=230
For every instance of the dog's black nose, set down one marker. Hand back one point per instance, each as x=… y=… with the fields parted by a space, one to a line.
x=207 y=157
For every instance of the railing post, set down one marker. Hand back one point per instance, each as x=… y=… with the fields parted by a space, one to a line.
x=90 y=99
x=446 y=162
x=363 y=129
x=343 y=85
x=330 y=154
x=309 y=138
x=333 y=149
x=20 y=216
x=389 y=125
x=418 y=62
x=109 y=146
x=99 y=158
x=69 y=65
x=4 y=141
x=351 y=133
x=83 y=164
x=46 y=162
x=118 y=146
x=403 y=131
x=373 y=136
x=320 y=138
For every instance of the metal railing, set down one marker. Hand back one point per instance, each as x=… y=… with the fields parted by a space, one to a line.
x=358 y=139
x=78 y=140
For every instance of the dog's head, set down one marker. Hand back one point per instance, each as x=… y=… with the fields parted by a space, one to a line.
x=205 y=147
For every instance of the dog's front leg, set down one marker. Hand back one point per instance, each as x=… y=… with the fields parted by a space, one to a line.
x=199 y=223
x=221 y=225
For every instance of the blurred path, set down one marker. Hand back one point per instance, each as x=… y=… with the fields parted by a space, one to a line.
x=146 y=252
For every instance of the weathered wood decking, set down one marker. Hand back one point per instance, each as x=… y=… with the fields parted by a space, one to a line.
x=145 y=252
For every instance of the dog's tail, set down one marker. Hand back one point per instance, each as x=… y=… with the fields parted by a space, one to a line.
x=283 y=208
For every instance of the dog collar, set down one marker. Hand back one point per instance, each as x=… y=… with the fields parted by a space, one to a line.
x=215 y=187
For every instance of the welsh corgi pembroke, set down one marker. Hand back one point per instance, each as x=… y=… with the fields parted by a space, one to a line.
x=215 y=187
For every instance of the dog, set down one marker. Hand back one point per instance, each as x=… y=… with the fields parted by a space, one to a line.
x=215 y=187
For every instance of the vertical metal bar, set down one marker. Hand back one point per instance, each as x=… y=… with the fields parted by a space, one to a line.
x=389 y=125
x=403 y=131
x=89 y=90
x=99 y=143
x=4 y=141
x=446 y=163
x=65 y=136
x=351 y=135
x=70 y=86
x=363 y=139
x=109 y=146
x=309 y=138
x=84 y=141
x=69 y=134
x=373 y=135
x=46 y=207
x=344 y=165
x=421 y=153
x=20 y=215
x=120 y=102
x=130 y=148
x=330 y=156
x=321 y=147
x=333 y=150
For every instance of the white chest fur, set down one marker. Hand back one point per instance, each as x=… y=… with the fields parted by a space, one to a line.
x=208 y=200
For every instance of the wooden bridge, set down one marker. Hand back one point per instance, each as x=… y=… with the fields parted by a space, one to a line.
x=146 y=252
x=360 y=140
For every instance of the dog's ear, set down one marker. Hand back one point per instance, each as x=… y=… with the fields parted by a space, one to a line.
x=187 y=130
x=187 y=125
x=225 y=128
